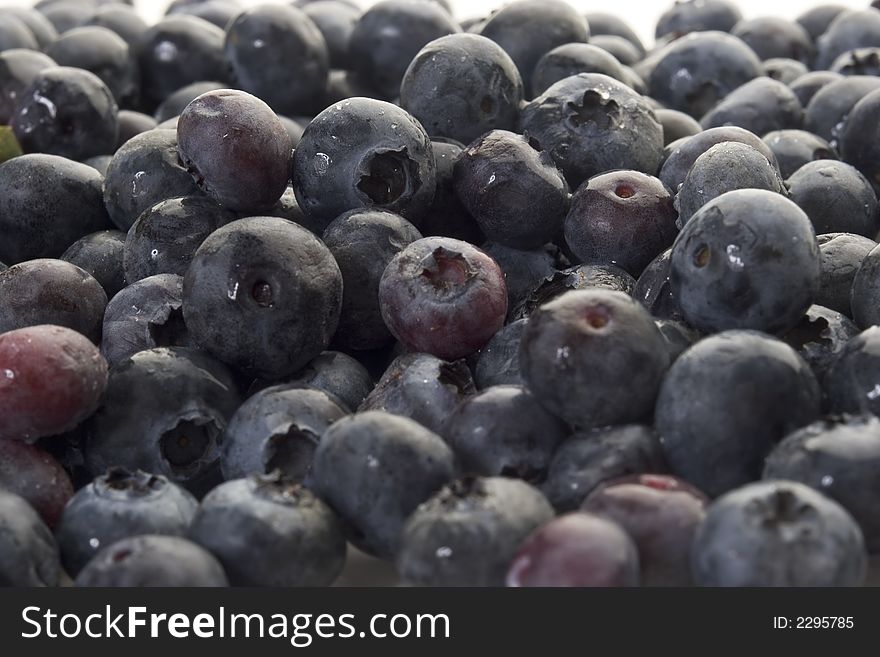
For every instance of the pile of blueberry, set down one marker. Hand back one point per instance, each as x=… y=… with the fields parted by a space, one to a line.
x=514 y=300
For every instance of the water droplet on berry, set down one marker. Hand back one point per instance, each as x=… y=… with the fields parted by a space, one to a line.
x=827 y=480
x=444 y=552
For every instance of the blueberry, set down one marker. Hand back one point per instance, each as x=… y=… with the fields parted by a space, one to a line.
x=589 y=458
x=389 y=35
x=216 y=12
x=374 y=469
x=174 y=104
x=726 y=401
x=498 y=362
x=723 y=168
x=782 y=534
x=821 y=334
x=263 y=295
x=606 y=24
x=661 y=514
x=49 y=291
x=67 y=14
x=524 y=270
x=623 y=217
x=694 y=72
x=771 y=36
x=176 y=51
x=849 y=30
x=654 y=291
x=144 y=171
x=593 y=358
x=861 y=61
x=267 y=531
x=104 y=53
x=838 y=457
x=15 y=34
x=573 y=58
x=47 y=203
x=37 y=477
x=621 y=48
x=590 y=123
x=858 y=138
x=676 y=125
x=836 y=198
x=122 y=19
x=468 y=533
x=421 y=387
x=515 y=193
x=760 y=106
x=795 y=148
x=443 y=296
x=100 y=254
x=151 y=560
x=117 y=505
x=853 y=381
x=447 y=217
x=363 y=242
x=265 y=44
x=461 y=86
x=786 y=71
x=381 y=158
x=144 y=315
x=576 y=550
x=40 y=27
x=842 y=255
x=747 y=259
x=817 y=19
x=582 y=277
x=28 y=551
x=826 y=113
x=504 y=431
x=18 y=69
x=164 y=412
x=336 y=21
x=278 y=428
x=679 y=336
x=681 y=158
x=697 y=16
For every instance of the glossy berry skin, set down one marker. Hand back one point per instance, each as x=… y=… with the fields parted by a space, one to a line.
x=164 y=412
x=381 y=158
x=836 y=198
x=47 y=202
x=461 y=86
x=622 y=49
x=624 y=217
x=68 y=112
x=589 y=458
x=144 y=315
x=120 y=18
x=717 y=440
x=661 y=514
x=18 y=68
x=795 y=148
x=52 y=379
x=760 y=106
x=593 y=358
x=447 y=217
x=820 y=336
x=269 y=532
x=781 y=533
x=278 y=428
x=576 y=550
x=353 y=469
x=849 y=30
x=443 y=297
x=421 y=387
x=826 y=112
x=336 y=21
x=28 y=551
x=176 y=51
x=150 y=561
x=263 y=295
x=514 y=192
x=33 y=474
x=389 y=35
x=165 y=237
x=838 y=457
x=653 y=290
x=144 y=171
x=865 y=289
x=590 y=123
x=786 y=71
x=770 y=36
x=817 y=19
x=117 y=505
x=843 y=254
x=723 y=168
x=676 y=125
x=100 y=254
x=524 y=269
x=527 y=29
x=680 y=160
x=104 y=53
x=697 y=16
x=857 y=141
x=47 y=291
x=172 y=107
x=716 y=64
x=607 y=24
x=854 y=378
x=729 y=245
x=504 y=431
x=809 y=84
x=469 y=532
x=573 y=58
x=363 y=242
x=498 y=362
x=264 y=44
x=236 y=148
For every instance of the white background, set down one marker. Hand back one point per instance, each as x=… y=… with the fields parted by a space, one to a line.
x=640 y=14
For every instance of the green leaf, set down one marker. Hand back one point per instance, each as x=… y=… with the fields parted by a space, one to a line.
x=9 y=147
